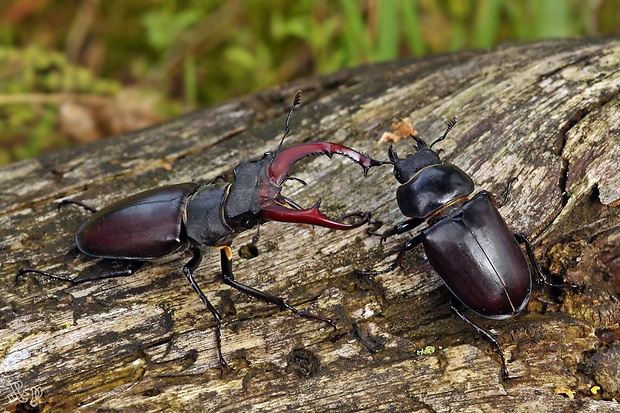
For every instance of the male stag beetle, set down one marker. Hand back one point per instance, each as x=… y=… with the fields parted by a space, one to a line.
x=466 y=240
x=160 y=221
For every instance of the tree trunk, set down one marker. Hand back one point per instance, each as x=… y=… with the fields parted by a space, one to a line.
x=546 y=113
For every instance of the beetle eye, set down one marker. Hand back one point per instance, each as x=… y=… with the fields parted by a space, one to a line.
x=397 y=174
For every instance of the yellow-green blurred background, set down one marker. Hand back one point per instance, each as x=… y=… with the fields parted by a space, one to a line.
x=75 y=71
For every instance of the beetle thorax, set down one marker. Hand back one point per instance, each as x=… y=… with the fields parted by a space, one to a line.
x=242 y=203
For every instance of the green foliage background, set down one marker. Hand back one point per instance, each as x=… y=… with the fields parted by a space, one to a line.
x=69 y=70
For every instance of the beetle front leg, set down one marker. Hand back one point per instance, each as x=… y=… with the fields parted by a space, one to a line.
x=188 y=270
x=229 y=279
x=397 y=229
x=503 y=198
x=78 y=203
x=482 y=331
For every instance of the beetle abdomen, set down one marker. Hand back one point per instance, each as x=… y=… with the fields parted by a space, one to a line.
x=144 y=226
x=478 y=258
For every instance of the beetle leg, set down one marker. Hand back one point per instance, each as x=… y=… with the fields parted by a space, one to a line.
x=399 y=228
x=26 y=271
x=407 y=246
x=482 y=331
x=229 y=279
x=188 y=270
x=74 y=202
x=503 y=200
x=256 y=237
x=131 y=268
x=540 y=275
x=522 y=239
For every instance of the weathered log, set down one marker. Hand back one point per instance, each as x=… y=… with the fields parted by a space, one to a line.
x=547 y=113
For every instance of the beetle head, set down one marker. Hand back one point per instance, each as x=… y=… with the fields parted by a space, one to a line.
x=424 y=155
x=406 y=168
x=255 y=195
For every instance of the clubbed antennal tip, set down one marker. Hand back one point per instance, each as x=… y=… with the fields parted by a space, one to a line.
x=297 y=99
x=451 y=124
x=296 y=102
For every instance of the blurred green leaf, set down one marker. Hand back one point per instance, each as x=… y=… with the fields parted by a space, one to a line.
x=240 y=57
x=387 y=31
x=356 y=35
x=488 y=15
x=190 y=82
x=185 y=54
x=413 y=27
x=163 y=28
x=552 y=18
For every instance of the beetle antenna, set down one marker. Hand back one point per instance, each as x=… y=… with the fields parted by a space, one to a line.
x=287 y=129
x=451 y=124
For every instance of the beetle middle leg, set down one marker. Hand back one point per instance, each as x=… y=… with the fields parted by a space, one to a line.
x=454 y=304
x=188 y=270
x=407 y=246
x=399 y=228
x=229 y=279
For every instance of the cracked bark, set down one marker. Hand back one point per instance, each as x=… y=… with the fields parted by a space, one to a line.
x=547 y=113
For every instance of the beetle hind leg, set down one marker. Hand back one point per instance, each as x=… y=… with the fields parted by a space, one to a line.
x=540 y=275
x=130 y=269
x=407 y=246
x=454 y=304
x=227 y=275
x=28 y=272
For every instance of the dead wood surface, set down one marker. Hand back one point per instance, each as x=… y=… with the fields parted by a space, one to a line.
x=547 y=113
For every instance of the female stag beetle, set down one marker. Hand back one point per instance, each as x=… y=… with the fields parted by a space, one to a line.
x=466 y=240
x=160 y=221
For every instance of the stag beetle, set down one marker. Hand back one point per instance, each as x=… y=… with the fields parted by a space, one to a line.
x=466 y=240
x=160 y=221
